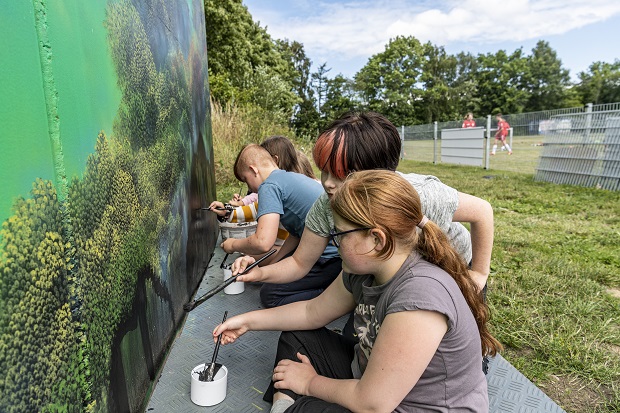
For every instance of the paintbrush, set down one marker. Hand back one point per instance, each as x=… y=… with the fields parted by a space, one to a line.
x=238 y=197
x=195 y=303
x=223 y=264
x=225 y=208
x=209 y=370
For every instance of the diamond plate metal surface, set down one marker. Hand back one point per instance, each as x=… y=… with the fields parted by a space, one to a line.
x=250 y=361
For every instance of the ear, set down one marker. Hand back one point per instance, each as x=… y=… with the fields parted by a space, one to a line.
x=380 y=238
x=254 y=169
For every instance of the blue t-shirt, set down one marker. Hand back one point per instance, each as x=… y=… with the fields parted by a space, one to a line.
x=290 y=195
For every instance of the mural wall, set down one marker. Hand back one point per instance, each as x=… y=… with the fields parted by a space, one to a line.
x=106 y=161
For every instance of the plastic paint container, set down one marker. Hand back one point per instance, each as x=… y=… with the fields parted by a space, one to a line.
x=209 y=393
x=237 y=230
x=236 y=287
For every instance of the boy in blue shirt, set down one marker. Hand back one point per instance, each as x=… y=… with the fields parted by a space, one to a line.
x=285 y=197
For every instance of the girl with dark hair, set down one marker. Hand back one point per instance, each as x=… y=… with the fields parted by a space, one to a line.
x=283 y=153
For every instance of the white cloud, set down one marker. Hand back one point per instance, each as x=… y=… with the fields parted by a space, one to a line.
x=362 y=28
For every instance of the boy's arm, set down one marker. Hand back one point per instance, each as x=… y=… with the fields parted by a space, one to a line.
x=479 y=214
x=290 y=243
x=259 y=242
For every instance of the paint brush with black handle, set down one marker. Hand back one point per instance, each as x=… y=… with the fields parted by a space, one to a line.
x=195 y=303
x=211 y=370
x=225 y=208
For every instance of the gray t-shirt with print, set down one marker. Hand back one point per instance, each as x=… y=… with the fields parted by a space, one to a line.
x=439 y=202
x=453 y=380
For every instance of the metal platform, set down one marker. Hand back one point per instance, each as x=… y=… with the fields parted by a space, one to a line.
x=250 y=361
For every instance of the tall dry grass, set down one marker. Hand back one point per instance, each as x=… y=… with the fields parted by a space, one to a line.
x=236 y=126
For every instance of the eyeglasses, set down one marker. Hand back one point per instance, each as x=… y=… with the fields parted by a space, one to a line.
x=335 y=236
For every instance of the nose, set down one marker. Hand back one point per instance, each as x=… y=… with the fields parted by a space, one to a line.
x=329 y=181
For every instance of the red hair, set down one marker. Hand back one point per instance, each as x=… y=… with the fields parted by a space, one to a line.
x=326 y=155
x=357 y=142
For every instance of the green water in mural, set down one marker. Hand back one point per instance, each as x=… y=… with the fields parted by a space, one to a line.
x=83 y=77
x=25 y=152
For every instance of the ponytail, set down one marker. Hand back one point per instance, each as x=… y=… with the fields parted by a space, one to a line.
x=436 y=249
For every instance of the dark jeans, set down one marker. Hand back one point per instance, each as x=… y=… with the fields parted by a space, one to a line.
x=330 y=354
x=311 y=285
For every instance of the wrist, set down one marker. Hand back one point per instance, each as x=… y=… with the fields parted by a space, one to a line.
x=311 y=389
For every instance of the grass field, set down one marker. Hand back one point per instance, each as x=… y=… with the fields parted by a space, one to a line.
x=526 y=151
x=554 y=289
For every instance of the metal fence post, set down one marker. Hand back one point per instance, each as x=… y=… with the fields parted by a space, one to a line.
x=435 y=142
x=487 y=158
x=588 y=121
x=402 y=142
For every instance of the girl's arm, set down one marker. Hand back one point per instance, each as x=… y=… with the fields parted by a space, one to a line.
x=334 y=302
x=404 y=347
x=245 y=213
x=250 y=198
x=290 y=269
x=479 y=214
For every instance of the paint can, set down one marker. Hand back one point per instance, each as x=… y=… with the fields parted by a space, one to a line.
x=237 y=230
x=209 y=393
x=236 y=287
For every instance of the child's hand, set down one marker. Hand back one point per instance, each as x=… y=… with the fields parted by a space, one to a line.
x=231 y=330
x=236 y=203
x=217 y=204
x=227 y=246
x=293 y=375
x=241 y=264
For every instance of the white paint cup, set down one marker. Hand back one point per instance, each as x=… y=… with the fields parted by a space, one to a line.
x=209 y=393
x=236 y=287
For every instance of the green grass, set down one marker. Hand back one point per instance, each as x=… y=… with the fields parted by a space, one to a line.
x=526 y=151
x=555 y=265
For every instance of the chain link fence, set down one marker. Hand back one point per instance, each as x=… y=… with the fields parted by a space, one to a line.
x=586 y=152
x=583 y=142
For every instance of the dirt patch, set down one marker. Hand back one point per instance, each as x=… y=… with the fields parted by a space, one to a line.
x=573 y=395
x=614 y=291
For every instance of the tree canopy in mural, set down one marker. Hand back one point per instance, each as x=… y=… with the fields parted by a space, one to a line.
x=70 y=270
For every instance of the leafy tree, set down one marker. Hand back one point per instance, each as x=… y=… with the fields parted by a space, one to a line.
x=466 y=82
x=501 y=82
x=340 y=97
x=319 y=84
x=237 y=47
x=272 y=94
x=138 y=77
x=546 y=80
x=600 y=84
x=38 y=344
x=305 y=114
x=444 y=95
x=391 y=82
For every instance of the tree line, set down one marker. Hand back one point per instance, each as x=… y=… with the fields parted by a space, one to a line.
x=410 y=82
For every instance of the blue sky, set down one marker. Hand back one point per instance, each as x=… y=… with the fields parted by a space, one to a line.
x=345 y=34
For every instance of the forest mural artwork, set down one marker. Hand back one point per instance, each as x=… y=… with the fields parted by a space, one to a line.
x=98 y=258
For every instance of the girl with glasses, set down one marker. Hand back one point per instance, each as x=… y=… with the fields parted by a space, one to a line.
x=421 y=322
